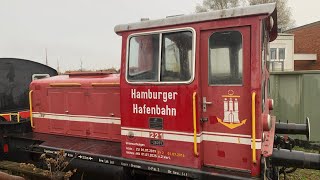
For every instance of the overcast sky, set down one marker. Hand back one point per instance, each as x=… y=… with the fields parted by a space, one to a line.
x=82 y=30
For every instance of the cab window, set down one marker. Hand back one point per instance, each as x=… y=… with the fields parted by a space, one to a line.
x=143 y=58
x=176 y=56
x=225 y=58
x=162 y=57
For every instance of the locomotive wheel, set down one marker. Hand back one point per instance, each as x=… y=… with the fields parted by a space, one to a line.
x=263 y=169
x=269 y=172
x=275 y=173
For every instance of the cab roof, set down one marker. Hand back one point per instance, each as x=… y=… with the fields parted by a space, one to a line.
x=262 y=9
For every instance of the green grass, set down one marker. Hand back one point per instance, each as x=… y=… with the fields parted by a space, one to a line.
x=303 y=174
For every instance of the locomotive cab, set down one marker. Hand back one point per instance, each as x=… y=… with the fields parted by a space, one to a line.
x=194 y=89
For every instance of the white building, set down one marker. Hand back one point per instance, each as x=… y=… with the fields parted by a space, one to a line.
x=282 y=53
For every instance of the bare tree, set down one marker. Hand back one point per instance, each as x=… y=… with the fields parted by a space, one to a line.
x=209 y=5
x=285 y=20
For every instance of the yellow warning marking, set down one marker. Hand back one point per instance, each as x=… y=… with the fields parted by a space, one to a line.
x=65 y=84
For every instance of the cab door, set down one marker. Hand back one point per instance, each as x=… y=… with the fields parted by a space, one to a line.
x=226 y=97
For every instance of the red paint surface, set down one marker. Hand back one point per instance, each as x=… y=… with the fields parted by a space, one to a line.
x=86 y=101
x=5 y=148
x=78 y=129
x=221 y=154
x=6 y=117
x=267 y=144
x=213 y=120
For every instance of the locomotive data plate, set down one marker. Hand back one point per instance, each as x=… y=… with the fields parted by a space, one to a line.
x=156 y=142
x=156 y=123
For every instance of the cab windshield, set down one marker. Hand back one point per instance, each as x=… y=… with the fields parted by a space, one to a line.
x=161 y=57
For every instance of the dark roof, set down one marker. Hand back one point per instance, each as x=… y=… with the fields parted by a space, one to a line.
x=302 y=27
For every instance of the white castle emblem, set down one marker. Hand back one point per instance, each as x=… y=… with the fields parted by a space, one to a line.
x=231 y=111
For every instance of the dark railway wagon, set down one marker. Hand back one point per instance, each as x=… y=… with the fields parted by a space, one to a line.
x=15 y=78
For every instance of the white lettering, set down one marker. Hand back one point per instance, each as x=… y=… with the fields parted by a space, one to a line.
x=164 y=96
x=135 y=108
x=158 y=109
x=154 y=110
x=174 y=95
x=133 y=93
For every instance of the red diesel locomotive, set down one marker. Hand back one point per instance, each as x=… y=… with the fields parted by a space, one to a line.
x=191 y=100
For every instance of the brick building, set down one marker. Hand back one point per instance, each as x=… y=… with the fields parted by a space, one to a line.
x=306 y=46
